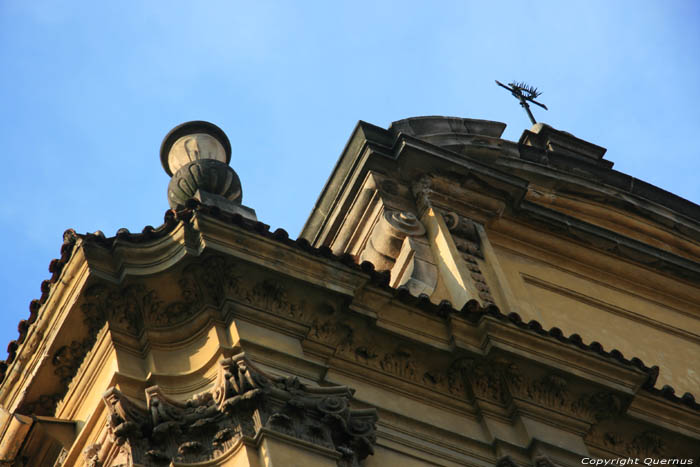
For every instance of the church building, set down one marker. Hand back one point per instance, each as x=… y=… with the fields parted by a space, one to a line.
x=454 y=299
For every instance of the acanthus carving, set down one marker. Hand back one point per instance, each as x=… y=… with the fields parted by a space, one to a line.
x=131 y=308
x=646 y=444
x=553 y=392
x=483 y=378
x=643 y=444
x=207 y=282
x=506 y=461
x=549 y=391
x=272 y=296
x=68 y=358
x=598 y=406
x=399 y=363
x=244 y=403
x=356 y=346
x=123 y=307
x=495 y=379
x=91 y=455
x=330 y=330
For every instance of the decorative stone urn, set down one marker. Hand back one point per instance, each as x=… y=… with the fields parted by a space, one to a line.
x=196 y=155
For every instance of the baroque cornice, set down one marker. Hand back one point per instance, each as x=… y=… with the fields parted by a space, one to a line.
x=245 y=403
x=373 y=148
x=638 y=441
x=493 y=380
x=655 y=204
x=486 y=200
x=147 y=309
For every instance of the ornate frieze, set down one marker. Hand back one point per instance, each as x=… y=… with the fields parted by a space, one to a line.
x=133 y=308
x=549 y=391
x=640 y=444
x=646 y=444
x=352 y=341
x=245 y=402
x=598 y=406
x=496 y=380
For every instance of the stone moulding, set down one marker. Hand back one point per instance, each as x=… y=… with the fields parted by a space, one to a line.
x=172 y=219
x=204 y=281
x=134 y=309
x=244 y=404
x=646 y=443
x=131 y=309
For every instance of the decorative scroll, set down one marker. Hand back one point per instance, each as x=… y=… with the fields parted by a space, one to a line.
x=468 y=242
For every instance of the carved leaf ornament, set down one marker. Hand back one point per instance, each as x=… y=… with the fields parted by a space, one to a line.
x=244 y=402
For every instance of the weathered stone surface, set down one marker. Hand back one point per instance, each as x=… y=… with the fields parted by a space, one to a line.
x=194 y=147
x=195 y=140
x=519 y=245
x=204 y=175
x=244 y=403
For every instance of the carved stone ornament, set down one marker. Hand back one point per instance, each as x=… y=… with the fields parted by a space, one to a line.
x=422 y=189
x=598 y=406
x=209 y=281
x=646 y=444
x=642 y=444
x=496 y=380
x=506 y=461
x=467 y=240
x=544 y=461
x=388 y=235
x=244 y=403
x=196 y=155
x=398 y=243
x=482 y=378
x=130 y=309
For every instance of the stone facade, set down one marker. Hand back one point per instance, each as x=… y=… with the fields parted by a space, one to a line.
x=453 y=299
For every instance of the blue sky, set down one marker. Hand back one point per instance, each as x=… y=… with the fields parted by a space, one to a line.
x=89 y=89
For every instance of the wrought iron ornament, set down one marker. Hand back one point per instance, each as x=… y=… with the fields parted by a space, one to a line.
x=524 y=93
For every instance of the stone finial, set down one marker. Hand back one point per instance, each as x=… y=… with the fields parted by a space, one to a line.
x=192 y=141
x=196 y=155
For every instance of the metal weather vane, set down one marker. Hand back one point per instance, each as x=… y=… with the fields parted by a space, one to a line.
x=524 y=93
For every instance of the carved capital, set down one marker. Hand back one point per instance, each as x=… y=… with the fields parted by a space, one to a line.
x=244 y=402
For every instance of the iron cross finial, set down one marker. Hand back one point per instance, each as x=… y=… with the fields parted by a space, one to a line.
x=524 y=93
